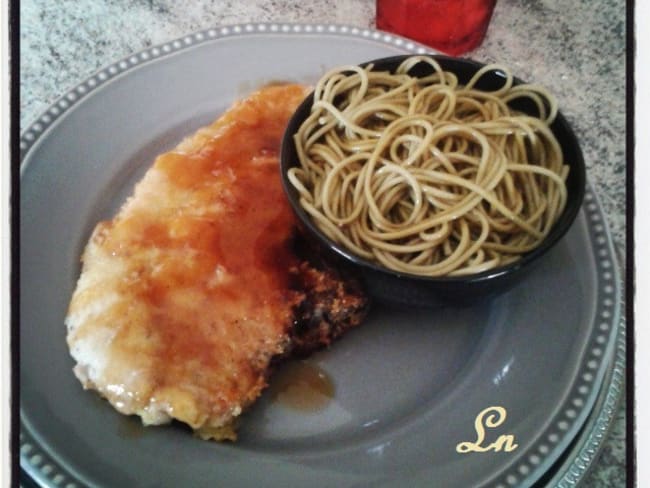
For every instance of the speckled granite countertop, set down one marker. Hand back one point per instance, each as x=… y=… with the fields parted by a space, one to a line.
x=577 y=48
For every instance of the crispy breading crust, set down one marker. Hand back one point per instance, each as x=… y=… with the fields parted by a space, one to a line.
x=192 y=293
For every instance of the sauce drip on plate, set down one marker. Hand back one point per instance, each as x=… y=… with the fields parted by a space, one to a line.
x=303 y=386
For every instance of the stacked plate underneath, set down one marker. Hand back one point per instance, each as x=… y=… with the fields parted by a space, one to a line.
x=516 y=391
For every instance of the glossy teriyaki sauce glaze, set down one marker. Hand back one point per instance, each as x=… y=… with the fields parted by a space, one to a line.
x=196 y=272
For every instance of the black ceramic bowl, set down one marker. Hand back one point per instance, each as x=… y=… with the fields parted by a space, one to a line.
x=385 y=284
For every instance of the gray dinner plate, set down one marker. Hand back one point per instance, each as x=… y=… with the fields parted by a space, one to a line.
x=410 y=384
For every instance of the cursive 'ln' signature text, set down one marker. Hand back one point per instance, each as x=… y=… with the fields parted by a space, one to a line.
x=489 y=418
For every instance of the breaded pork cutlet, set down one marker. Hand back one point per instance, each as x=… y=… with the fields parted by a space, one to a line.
x=197 y=287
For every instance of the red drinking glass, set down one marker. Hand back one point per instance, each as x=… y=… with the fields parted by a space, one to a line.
x=451 y=26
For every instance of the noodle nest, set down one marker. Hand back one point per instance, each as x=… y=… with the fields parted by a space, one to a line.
x=426 y=176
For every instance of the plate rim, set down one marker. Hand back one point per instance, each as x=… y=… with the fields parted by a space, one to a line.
x=580 y=459
x=36 y=462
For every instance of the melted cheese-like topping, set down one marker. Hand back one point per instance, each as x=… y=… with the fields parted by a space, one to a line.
x=184 y=297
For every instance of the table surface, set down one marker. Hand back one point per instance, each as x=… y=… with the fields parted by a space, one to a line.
x=575 y=48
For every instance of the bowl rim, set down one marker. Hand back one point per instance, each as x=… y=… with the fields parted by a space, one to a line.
x=288 y=158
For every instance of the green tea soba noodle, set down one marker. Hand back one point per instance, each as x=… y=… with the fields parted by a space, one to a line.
x=427 y=176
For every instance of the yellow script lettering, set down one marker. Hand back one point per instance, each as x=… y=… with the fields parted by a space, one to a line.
x=491 y=417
